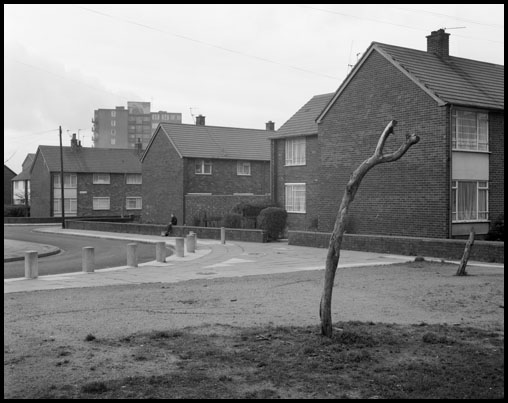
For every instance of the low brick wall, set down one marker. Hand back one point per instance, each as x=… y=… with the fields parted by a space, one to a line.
x=451 y=249
x=232 y=234
x=55 y=220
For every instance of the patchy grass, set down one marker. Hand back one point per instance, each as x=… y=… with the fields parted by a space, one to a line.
x=361 y=360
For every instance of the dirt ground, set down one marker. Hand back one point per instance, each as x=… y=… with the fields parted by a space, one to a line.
x=45 y=331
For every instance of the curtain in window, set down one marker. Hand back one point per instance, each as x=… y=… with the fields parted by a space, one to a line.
x=467 y=201
x=466 y=130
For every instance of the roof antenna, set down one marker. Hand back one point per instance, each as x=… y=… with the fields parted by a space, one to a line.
x=192 y=115
x=453 y=28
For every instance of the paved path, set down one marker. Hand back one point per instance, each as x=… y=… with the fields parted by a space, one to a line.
x=211 y=259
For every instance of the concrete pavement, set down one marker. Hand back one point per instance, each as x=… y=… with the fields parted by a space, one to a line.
x=210 y=260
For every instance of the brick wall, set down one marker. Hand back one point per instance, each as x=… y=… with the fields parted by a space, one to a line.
x=308 y=174
x=40 y=190
x=496 y=165
x=216 y=205
x=117 y=191
x=232 y=234
x=409 y=197
x=8 y=190
x=163 y=183
x=453 y=249
x=224 y=179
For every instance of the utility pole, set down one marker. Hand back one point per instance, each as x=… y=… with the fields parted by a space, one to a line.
x=62 y=204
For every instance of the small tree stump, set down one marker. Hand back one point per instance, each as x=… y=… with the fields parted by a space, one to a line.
x=461 y=271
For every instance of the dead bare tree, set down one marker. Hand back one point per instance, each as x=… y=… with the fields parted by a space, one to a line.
x=332 y=258
x=461 y=271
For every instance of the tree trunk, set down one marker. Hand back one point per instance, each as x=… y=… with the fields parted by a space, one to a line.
x=461 y=271
x=332 y=258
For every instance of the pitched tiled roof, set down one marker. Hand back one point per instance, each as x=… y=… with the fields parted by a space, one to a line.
x=27 y=164
x=25 y=175
x=200 y=141
x=100 y=160
x=454 y=80
x=303 y=122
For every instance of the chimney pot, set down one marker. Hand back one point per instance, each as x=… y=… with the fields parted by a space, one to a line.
x=200 y=120
x=438 y=43
x=74 y=141
x=270 y=125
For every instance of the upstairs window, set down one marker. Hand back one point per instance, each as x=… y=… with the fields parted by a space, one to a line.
x=295 y=151
x=243 y=168
x=203 y=167
x=470 y=130
x=70 y=181
x=101 y=179
x=470 y=201
x=133 y=179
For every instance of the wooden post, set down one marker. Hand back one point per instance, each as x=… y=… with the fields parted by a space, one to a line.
x=461 y=271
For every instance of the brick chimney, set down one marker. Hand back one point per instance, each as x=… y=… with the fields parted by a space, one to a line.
x=270 y=125
x=74 y=142
x=437 y=43
x=200 y=120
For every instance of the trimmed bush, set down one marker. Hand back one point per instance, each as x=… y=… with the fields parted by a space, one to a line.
x=232 y=221
x=273 y=221
x=15 y=210
x=496 y=232
x=250 y=210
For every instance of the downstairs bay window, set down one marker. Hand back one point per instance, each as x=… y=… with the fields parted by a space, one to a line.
x=470 y=201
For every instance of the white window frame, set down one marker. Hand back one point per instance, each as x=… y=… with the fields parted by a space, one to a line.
x=138 y=202
x=70 y=181
x=101 y=203
x=243 y=168
x=481 y=142
x=113 y=114
x=71 y=206
x=101 y=179
x=481 y=186
x=295 y=151
x=134 y=179
x=113 y=123
x=294 y=202
x=201 y=167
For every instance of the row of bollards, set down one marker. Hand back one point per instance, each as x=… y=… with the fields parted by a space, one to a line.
x=88 y=257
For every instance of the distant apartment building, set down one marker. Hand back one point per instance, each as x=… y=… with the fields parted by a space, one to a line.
x=123 y=128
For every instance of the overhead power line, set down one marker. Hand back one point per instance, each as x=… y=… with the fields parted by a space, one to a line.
x=205 y=43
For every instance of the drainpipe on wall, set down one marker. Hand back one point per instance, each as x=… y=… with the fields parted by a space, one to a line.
x=450 y=169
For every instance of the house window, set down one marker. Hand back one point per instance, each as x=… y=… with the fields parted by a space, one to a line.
x=295 y=197
x=113 y=142
x=113 y=114
x=154 y=125
x=155 y=116
x=243 y=168
x=71 y=206
x=470 y=201
x=470 y=130
x=203 y=167
x=101 y=179
x=113 y=123
x=113 y=132
x=101 y=203
x=295 y=151
x=133 y=179
x=133 y=203
x=70 y=181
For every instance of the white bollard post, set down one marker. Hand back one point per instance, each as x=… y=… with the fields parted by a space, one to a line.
x=88 y=259
x=179 y=243
x=160 y=252
x=222 y=235
x=132 y=256
x=191 y=242
x=31 y=264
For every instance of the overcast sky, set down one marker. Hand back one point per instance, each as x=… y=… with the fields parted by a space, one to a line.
x=238 y=65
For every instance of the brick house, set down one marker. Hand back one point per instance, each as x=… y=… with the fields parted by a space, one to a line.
x=21 y=182
x=97 y=182
x=295 y=181
x=8 y=175
x=452 y=180
x=188 y=169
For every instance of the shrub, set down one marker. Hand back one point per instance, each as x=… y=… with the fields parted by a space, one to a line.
x=251 y=210
x=232 y=220
x=273 y=221
x=496 y=232
x=15 y=210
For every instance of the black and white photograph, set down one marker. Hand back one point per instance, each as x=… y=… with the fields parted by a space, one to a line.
x=254 y=201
